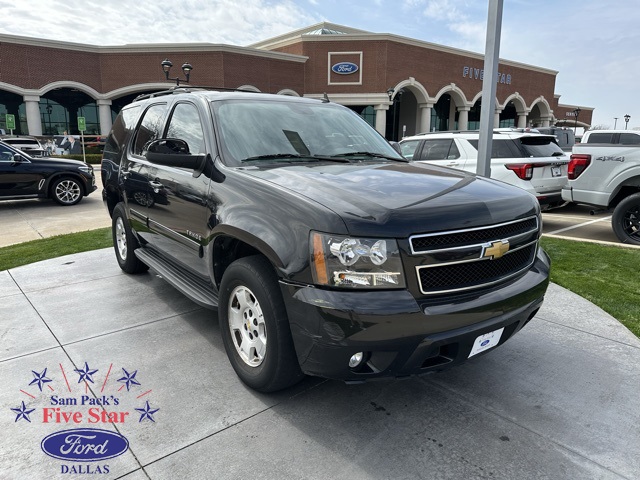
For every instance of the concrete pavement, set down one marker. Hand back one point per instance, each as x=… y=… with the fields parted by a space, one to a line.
x=559 y=400
x=24 y=220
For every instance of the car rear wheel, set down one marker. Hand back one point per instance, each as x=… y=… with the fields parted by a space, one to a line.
x=125 y=242
x=626 y=220
x=254 y=326
x=67 y=191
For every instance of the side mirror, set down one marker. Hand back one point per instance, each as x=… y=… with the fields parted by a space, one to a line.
x=17 y=158
x=172 y=152
x=396 y=147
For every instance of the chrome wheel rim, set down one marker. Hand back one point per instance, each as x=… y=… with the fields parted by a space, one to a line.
x=247 y=326
x=67 y=191
x=121 y=238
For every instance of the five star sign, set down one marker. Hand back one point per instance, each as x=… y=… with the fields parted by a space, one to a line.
x=129 y=379
x=147 y=412
x=24 y=413
x=40 y=378
x=85 y=374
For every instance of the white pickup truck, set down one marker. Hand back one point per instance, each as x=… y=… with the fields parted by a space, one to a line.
x=604 y=171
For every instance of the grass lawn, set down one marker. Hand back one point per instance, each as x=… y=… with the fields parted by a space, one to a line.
x=604 y=275
x=36 y=250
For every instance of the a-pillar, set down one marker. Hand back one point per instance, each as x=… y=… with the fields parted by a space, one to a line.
x=522 y=119
x=104 y=113
x=381 y=118
x=425 y=117
x=32 y=107
x=463 y=118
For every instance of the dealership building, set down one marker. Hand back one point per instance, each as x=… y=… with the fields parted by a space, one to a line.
x=400 y=85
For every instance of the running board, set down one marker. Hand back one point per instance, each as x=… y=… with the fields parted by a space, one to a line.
x=190 y=285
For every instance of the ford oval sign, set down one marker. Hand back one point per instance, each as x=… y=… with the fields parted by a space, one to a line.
x=345 y=68
x=84 y=445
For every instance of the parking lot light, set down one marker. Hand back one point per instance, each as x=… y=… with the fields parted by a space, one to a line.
x=186 y=70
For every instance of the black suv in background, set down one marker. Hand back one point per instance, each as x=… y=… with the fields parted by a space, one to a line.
x=23 y=176
x=323 y=250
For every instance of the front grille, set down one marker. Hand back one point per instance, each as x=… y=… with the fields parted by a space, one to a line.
x=437 y=241
x=464 y=276
x=466 y=259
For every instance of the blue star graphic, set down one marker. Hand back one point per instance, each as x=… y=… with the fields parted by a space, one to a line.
x=23 y=412
x=40 y=378
x=129 y=379
x=85 y=374
x=146 y=412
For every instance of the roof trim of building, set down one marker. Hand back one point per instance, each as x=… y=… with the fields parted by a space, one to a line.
x=302 y=35
x=150 y=48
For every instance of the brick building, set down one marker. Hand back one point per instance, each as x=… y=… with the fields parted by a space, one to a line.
x=400 y=85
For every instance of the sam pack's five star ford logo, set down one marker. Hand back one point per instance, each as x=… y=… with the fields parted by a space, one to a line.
x=95 y=400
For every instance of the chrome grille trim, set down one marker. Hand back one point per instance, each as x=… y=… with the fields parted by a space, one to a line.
x=457 y=268
x=475 y=229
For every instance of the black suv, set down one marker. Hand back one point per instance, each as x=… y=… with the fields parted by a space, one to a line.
x=23 y=176
x=324 y=251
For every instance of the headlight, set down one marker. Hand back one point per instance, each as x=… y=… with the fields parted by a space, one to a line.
x=339 y=261
x=86 y=168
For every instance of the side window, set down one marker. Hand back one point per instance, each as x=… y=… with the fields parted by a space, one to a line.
x=185 y=124
x=408 y=148
x=629 y=139
x=118 y=135
x=438 y=149
x=6 y=155
x=502 y=149
x=149 y=127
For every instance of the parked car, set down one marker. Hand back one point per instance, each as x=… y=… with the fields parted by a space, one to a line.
x=604 y=172
x=23 y=176
x=30 y=145
x=322 y=249
x=531 y=161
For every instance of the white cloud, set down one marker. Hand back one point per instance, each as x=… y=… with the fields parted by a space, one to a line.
x=105 y=23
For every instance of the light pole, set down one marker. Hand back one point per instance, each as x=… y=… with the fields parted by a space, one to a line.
x=626 y=120
x=186 y=69
x=576 y=112
x=615 y=123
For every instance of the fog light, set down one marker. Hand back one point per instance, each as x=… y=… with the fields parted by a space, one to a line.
x=356 y=359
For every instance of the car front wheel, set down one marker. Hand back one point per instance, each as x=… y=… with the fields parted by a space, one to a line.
x=67 y=191
x=125 y=242
x=626 y=220
x=254 y=326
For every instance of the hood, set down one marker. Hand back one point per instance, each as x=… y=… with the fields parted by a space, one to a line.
x=378 y=198
x=57 y=162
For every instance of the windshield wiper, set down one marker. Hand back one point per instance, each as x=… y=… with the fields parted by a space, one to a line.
x=370 y=154
x=558 y=154
x=314 y=158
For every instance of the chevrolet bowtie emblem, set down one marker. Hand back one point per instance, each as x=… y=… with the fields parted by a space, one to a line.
x=495 y=250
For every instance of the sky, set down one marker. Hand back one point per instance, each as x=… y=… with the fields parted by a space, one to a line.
x=594 y=45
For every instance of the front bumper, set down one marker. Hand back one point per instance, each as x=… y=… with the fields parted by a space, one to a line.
x=399 y=334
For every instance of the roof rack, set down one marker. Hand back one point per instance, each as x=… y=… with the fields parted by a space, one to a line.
x=188 y=89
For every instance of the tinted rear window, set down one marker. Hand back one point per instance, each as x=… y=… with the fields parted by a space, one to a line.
x=501 y=149
x=629 y=139
x=540 y=147
x=600 y=138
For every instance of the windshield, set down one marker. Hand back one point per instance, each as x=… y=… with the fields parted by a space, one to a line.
x=258 y=130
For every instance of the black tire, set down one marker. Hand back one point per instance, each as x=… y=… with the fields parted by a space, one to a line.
x=67 y=191
x=125 y=242
x=250 y=296
x=626 y=220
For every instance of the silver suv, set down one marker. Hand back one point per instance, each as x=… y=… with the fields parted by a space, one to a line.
x=531 y=161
